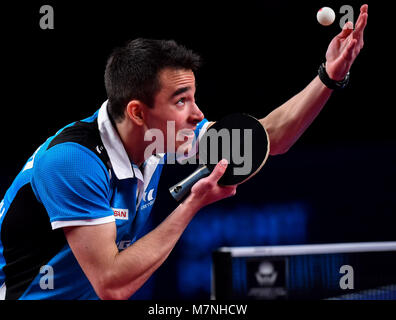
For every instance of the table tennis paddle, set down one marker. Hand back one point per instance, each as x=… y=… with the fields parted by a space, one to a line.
x=239 y=138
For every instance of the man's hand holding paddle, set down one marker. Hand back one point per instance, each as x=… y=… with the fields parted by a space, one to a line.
x=207 y=190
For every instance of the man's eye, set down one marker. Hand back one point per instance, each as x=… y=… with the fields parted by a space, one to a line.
x=181 y=101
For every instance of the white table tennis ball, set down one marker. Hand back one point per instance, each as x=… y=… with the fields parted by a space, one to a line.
x=325 y=16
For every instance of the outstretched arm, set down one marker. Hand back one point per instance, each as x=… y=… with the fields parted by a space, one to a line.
x=288 y=122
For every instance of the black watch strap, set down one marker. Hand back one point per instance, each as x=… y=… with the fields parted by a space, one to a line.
x=330 y=83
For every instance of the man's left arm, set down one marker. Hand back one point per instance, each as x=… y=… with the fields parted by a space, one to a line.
x=288 y=122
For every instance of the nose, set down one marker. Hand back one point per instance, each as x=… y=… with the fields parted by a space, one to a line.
x=196 y=114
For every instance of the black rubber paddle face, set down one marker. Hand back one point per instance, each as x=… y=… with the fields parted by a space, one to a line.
x=239 y=138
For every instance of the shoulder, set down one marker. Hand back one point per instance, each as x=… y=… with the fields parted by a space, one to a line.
x=70 y=166
x=77 y=149
x=84 y=134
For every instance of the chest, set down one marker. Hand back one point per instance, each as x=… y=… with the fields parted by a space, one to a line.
x=131 y=201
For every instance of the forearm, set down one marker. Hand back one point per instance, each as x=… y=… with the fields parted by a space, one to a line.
x=117 y=275
x=134 y=265
x=288 y=122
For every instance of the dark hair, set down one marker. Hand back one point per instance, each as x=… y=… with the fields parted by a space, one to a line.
x=132 y=71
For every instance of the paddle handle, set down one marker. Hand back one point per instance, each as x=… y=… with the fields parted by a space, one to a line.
x=179 y=190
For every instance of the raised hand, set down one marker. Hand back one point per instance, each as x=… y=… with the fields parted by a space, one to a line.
x=345 y=47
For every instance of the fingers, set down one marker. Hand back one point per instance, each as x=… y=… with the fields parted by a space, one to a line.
x=359 y=26
x=207 y=190
x=356 y=42
x=219 y=170
x=362 y=21
x=217 y=173
x=346 y=30
x=363 y=14
x=229 y=191
x=348 y=53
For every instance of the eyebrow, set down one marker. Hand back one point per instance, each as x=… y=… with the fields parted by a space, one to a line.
x=180 y=91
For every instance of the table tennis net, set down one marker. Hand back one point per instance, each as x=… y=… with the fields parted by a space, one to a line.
x=343 y=271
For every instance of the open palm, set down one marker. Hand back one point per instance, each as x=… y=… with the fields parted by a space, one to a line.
x=345 y=47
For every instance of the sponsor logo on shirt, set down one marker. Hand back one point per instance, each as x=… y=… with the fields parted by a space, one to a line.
x=146 y=205
x=148 y=199
x=121 y=214
x=148 y=196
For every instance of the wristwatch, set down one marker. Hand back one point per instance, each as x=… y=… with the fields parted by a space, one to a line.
x=330 y=83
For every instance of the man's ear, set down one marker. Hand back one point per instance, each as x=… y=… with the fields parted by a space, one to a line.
x=134 y=111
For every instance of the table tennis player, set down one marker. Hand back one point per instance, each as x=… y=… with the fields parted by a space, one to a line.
x=69 y=221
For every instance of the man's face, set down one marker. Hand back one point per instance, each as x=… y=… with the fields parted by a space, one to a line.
x=175 y=102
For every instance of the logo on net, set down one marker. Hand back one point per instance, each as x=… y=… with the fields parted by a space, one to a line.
x=266 y=274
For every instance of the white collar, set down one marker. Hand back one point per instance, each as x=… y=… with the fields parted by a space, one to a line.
x=119 y=159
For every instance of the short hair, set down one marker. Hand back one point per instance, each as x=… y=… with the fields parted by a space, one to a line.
x=132 y=71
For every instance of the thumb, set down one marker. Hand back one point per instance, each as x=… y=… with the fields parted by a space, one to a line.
x=219 y=170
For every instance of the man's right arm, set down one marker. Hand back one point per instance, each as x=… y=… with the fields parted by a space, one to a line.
x=118 y=275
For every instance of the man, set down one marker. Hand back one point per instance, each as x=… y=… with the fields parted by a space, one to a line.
x=71 y=219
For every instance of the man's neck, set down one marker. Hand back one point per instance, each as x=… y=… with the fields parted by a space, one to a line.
x=132 y=139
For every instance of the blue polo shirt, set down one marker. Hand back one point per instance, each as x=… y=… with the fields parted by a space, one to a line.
x=80 y=176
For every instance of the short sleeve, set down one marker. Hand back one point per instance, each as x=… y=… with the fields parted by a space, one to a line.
x=73 y=185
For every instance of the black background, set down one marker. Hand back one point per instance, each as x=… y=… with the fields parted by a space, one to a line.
x=257 y=55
